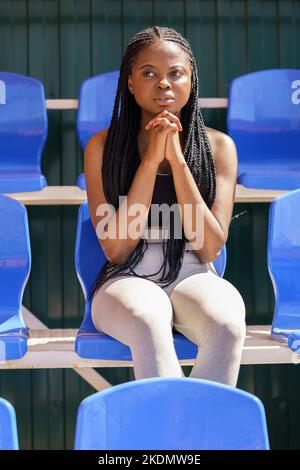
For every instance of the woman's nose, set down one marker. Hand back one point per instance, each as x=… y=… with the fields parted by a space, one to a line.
x=164 y=83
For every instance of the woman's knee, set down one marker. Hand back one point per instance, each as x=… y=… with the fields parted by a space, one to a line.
x=234 y=329
x=132 y=301
x=207 y=303
x=230 y=313
x=229 y=317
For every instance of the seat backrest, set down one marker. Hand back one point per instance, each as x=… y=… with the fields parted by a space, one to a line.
x=284 y=260
x=15 y=261
x=89 y=258
x=95 y=106
x=23 y=122
x=263 y=116
x=220 y=262
x=8 y=426
x=171 y=413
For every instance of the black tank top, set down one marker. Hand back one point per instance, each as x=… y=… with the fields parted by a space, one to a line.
x=163 y=191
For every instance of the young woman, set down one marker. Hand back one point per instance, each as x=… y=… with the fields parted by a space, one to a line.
x=157 y=150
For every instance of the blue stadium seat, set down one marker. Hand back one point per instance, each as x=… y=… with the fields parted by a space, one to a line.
x=284 y=267
x=264 y=121
x=15 y=264
x=23 y=132
x=95 y=107
x=168 y=413
x=8 y=426
x=89 y=258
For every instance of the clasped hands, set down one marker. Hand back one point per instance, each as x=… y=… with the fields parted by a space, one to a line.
x=173 y=151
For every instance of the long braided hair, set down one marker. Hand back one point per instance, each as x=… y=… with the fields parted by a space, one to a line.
x=120 y=160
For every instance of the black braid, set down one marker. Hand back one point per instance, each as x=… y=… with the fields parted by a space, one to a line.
x=120 y=161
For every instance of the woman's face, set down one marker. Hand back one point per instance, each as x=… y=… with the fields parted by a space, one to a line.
x=161 y=78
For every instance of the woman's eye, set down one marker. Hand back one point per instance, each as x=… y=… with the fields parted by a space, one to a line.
x=147 y=73
x=176 y=73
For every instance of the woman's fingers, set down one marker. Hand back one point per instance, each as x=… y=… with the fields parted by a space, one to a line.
x=164 y=122
x=152 y=121
x=175 y=119
x=167 y=116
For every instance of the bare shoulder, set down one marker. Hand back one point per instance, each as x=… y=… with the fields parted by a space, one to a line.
x=96 y=143
x=219 y=140
x=223 y=149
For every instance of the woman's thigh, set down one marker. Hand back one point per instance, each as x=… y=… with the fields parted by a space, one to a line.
x=203 y=302
x=126 y=305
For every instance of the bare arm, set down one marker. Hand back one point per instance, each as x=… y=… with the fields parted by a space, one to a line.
x=140 y=192
x=118 y=248
x=216 y=220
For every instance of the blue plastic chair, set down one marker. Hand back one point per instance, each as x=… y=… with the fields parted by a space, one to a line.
x=89 y=258
x=8 y=426
x=264 y=120
x=95 y=108
x=15 y=264
x=171 y=413
x=284 y=267
x=23 y=132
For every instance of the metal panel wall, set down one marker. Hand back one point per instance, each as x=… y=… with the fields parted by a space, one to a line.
x=62 y=43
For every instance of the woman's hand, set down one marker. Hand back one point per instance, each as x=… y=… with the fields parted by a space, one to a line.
x=173 y=149
x=173 y=152
x=159 y=128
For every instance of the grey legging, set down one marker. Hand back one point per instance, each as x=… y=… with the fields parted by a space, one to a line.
x=202 y=306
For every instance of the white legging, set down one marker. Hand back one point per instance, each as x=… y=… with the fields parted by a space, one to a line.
x=202 y=306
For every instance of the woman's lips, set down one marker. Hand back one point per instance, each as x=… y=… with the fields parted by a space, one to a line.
x=164 y=101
